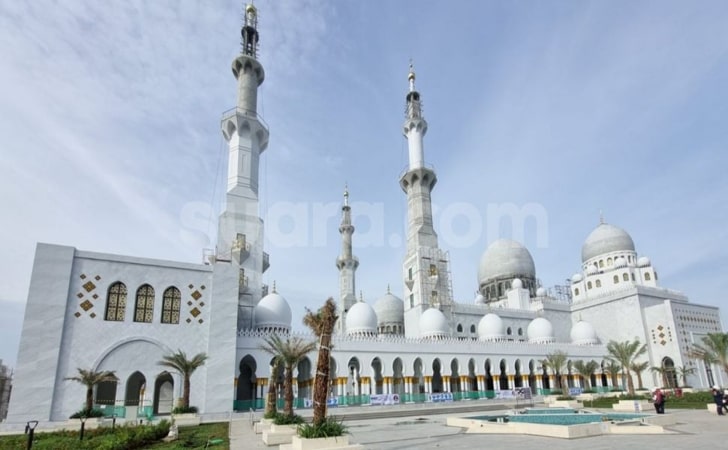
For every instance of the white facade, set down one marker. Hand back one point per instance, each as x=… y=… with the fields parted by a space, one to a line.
x=421 y=344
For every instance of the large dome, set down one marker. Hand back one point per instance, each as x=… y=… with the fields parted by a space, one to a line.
x=540 y=331
x=433 y=324
x=361 y=319
x=490 y=328
x=389 y=309
x=272 y=311
x=606 y=238
x=505 y=258
x=582 y=333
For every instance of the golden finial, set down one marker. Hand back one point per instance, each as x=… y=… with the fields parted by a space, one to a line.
x=388 y=291
x=411 y=76
x=361 y=296
x=346 y=194
x=601 y=217
x=274 y=287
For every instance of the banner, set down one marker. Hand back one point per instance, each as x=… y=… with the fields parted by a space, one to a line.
x=524 y=393
x=333 y=401
x=440 y=397
x=505 y=394
x=384 y=399
x=575 y=391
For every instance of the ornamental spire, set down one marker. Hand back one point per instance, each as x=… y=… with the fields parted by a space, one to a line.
x=249 y=32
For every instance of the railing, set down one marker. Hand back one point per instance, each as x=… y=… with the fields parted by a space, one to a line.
x=246 y=112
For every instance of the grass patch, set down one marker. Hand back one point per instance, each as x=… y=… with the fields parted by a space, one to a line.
x=197 y=437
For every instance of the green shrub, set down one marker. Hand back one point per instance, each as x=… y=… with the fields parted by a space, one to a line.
x=565 y=397
x=285 y=419
x=270 y=415
x=185 y=410
x=329 y=428
x=555 y=392
x=87 y=413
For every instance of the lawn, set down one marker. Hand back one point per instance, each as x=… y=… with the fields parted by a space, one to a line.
x=189 y=438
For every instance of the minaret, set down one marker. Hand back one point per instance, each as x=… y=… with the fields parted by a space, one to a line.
x=426 y=268
x=240 y=234
x=347 y=264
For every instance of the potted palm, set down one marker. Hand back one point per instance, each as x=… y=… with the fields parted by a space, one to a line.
x=184 y=414
x=91 y=379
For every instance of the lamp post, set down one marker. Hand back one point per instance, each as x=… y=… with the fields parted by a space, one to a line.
x=83 y=425
x=113 y=421
x=29 y=429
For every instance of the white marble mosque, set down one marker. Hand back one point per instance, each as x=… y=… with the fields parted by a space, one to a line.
x=111 y=312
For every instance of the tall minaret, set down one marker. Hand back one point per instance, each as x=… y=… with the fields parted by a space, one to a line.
x=426 y=268
x=240 y=235
x=347 y=264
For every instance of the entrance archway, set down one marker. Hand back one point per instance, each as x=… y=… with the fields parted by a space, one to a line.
x=247 y=380
x=163 y=394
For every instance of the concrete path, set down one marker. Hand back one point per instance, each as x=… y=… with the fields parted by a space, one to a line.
x=423 y=427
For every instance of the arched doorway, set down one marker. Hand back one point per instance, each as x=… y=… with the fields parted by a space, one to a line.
x=135 y=396
x=518 y=379
x=418 y=385
x=488 y=377
x=378 y=376
x=503 y=375
x=532 y=376
x=472 y=378
x=106 y=393
x=353 y=382
x=436 y=376
x=163 y=394
x=304 y=381
x=455 y=377
x=247 y=380
x=669 y=375
x=397 y=377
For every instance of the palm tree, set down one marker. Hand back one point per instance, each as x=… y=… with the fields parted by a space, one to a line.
x=625 y=354
x=586 y=370
x=178 y=362
x=683 y=372
x=556 y=361
x=90 y=378
x=663 y=372
x=289 y=353
x=270 y=402
x=638 y=368
x=613 y=369
x=712 y=350
x=321 y=324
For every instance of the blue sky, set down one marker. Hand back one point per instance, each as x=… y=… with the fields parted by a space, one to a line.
x=110 y=133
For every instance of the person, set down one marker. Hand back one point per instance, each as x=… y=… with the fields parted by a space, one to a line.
x=658 y=399
x=718 y=399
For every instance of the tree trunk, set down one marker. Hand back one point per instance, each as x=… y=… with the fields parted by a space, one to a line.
x=639 y=380
x=89 y=397
x=321 y=383
x=630 y=383
x=270 y=401
x=288 y=391
x=186 y=392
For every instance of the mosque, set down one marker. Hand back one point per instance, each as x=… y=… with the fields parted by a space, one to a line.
x=123 y=313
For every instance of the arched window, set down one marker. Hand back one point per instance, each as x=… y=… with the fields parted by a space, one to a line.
x=632 y=276
x=472 y=328
x=576 y=291
x=509 y=331
x=116 y=302
x=170 y=305
x=599 y=283
x=601 y=263
x=647 y=276
x=616 y=279
x=500 y=289
x=609 y=261
x=588 y=285
x=144 y=306
x=625 y=277
x=460 y=328
x=520 y=331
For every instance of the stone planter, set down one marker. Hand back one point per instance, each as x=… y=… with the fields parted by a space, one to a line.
x=186 y=420
x=263 y=425
x=332 y=443
x=279 y=434
x=574 y=404
x=633 y=406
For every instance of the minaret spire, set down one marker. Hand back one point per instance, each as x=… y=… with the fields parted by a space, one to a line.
x=426 y=267
x=240 y=234
x=347 y=264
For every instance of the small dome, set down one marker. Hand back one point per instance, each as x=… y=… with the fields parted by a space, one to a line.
x=577 y=278
x=361 y=319
x=389 y=309
x=643 y=262
x=540 y=331
x=620 y=262
x=479 y=299
x=490 y=328
x=505 y=258
x=517 y=284
x=606 y=238
x=582 y=333
x=592 y=270
x=433 y=324
x=272 y=311
x=541 y=292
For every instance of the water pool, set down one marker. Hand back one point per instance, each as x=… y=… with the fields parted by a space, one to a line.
x=559 y=416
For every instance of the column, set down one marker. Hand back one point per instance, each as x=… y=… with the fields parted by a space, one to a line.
x=496 y=382
x=446 y=383
x=524 y=381
x=511 y=382
x=539 y=384
x=481 y=385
